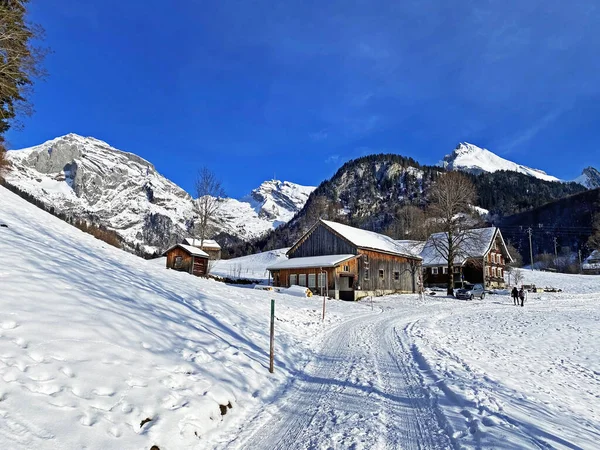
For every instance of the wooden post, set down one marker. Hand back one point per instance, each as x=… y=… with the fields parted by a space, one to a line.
x=323 y=308
x=272 y=349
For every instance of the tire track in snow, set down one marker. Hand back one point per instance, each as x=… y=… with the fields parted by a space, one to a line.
x=362 y=392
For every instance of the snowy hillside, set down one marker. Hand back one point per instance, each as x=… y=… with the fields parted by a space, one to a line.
x=89 y=179
x=94 y=341
x=470 y=158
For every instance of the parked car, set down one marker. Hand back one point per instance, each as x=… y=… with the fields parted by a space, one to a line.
x=470 y=291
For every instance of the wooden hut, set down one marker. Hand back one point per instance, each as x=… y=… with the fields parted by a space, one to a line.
x=347 y=263
x=187 y=258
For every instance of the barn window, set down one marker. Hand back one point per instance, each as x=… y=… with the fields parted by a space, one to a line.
x=346 y=268
x=312 y=280
x=434 y=270
x=302 y=279
x=366 y=274
x=381 y=274
x=178 y=262
x=293 y=279
x=322 y=279
x=396 y=276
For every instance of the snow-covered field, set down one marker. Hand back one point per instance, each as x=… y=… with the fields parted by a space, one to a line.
x=252 y=267
x=94 y=341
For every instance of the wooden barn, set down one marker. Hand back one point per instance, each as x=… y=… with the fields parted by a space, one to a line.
x=347 y=263
x=209 y=246
x=481 y=258
x=187 y=258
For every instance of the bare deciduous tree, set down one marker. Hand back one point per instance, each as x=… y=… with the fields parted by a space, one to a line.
x=209 y=193
x=449 y=214
x=408 y=223
x=4 y=163
x=518 y=276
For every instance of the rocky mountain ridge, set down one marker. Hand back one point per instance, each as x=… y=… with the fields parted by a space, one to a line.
x=87 y=178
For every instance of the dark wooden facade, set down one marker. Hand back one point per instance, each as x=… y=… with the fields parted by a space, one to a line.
x=372 y=272
x=180 y=259
x=487 y=269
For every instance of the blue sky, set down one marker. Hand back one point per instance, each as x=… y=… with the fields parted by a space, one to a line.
x=292 y=89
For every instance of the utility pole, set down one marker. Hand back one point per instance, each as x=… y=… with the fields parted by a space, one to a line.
x=579 y=260
x=529 y=231
x=555 y=252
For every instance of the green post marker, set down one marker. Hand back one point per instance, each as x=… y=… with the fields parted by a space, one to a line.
x=272 y=351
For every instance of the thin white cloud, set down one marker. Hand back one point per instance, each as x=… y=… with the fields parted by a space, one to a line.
x=526 y=135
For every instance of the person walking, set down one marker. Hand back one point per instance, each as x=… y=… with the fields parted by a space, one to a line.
x=515 y=296
x=522 y=296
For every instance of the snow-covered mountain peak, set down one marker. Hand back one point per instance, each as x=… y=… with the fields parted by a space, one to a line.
x=590 y=178
x=278 y=200
x=473 y=159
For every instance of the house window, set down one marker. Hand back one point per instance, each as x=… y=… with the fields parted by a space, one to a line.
x=445 y=270
x=178 y=262
x=312 y=280
x=493 y=271
x=396 y=276
x=293 y=279
x=302 y=279
x=381 y=274
x=322 y=279
x=456 y=269
x=487 y=271
x=500 y=275
x=434 y=270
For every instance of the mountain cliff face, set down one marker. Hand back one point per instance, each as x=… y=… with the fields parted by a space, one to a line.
x=88 y=179
x=590 y=178
x=470 y=158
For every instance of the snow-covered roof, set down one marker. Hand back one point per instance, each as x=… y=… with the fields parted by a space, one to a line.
x=194 y=251
x=594 y=258
x=592 y=262
x=476 y=244
x=411 y=246
x=208 y=243
x=368 y=239
x=311 y=261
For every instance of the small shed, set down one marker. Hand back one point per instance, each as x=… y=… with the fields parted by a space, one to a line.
x=187 y=258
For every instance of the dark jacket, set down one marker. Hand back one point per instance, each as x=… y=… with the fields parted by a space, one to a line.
x=515 y=292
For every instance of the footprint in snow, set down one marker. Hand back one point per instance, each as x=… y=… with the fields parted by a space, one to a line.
x=9 y=325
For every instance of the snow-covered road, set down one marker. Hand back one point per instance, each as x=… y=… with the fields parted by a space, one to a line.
x=363 y=391
x=443 y=373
